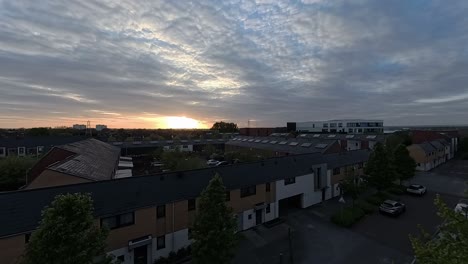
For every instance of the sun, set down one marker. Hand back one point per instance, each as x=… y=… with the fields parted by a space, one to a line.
x=181 y=122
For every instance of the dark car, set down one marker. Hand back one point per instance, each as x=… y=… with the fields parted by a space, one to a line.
x=392 y=207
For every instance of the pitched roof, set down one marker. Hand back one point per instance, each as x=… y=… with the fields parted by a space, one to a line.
x=21 y=210
x=46 y=141
x=428 y=148
x=93 y=160
x=437 y=144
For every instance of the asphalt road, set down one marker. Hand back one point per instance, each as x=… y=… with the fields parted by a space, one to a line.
x=376 y=239
x=449 y=178
x=394 y=231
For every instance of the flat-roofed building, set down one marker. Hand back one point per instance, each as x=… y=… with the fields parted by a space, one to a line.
x=354 y=126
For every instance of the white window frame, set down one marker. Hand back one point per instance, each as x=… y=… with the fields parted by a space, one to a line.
x=3 y=154
x=19 y=152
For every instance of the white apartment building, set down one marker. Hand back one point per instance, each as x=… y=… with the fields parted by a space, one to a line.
x=100 y=127
x=79 y=126
x=352 y=126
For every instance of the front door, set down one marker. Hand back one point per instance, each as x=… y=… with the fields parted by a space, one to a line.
x=258 y=217
x=140 y=255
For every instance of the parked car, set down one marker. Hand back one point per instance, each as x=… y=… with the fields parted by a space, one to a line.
x=416 y=189
x=212 y=162
x=221 y=163
x=392 y=207
x=462 y=207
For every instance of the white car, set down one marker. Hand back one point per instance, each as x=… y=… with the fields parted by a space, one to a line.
x=416 y=189
x=462 y=207
x=212 y=162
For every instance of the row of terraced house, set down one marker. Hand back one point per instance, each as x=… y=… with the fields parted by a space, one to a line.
x=150 y=216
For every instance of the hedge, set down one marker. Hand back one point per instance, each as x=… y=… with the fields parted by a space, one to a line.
x=368 y=208
x=398 y=190
x=349 y=217
x=374 y=199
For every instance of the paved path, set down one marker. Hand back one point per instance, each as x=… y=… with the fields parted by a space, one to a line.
x=315 y=240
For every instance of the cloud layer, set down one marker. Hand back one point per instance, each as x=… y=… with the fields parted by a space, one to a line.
x=131 y=63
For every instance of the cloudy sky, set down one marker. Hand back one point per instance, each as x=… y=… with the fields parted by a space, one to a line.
x=134 y=63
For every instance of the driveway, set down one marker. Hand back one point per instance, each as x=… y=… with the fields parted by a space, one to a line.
x=394 y=231
x=314 y=240
x=449 y=178
x=376 y=239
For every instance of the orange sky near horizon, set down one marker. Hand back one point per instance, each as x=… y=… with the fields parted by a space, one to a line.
x=117 y=121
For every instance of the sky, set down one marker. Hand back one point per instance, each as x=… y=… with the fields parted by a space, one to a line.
x=153 y=64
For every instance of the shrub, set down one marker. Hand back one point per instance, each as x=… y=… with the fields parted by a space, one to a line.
x=375 y=200
x=349 y=217
x=365 y=206
x=161 y=260
x=172 y=256
x=396 y=190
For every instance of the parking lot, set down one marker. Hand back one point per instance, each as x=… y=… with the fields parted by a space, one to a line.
x=394 y=231
x=376 y=239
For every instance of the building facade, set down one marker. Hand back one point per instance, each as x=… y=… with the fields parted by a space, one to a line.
x=352 y=126
x=151 y=216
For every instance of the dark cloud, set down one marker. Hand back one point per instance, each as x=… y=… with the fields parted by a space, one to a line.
x=271 y=61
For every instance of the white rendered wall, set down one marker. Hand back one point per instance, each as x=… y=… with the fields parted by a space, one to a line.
x=270 y=216
x=248 y=223
x=304 y=185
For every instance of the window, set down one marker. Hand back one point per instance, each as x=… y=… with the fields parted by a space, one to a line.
x=248 y=191
x=2 y=152
x=360 y=165
x=419 y=164
x=336 y=171
x=289 y=181
x=267 y=210
x=267 y=187
x=325 y=125
x=117 y=221
x=350 y=130
x=228 y=196
x=40 y=149
x=192 y=204
x=340 y=124
x=161 y=242
x=357 y=144
x=184 y=146
x=161 y=211
x=121 y=258
x=250 y=216
x=332 y=124
x=27 y=237
x=21 y=151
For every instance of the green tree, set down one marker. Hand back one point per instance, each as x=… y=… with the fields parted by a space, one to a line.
x=450 y=245
x=13 y=172
x=224 y=127
x=39 y=131
x=403 y=163
x=67 y=234
x=398 y=138
x=380 y=173
x=351 y=185
x=214 y=229
x=209 y=150
x=177 y=160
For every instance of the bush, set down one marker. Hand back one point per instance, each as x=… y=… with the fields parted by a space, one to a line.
x=397 y=190
x=161 y=260
x=349 y=217
x=365 y=206
x=375 y=200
